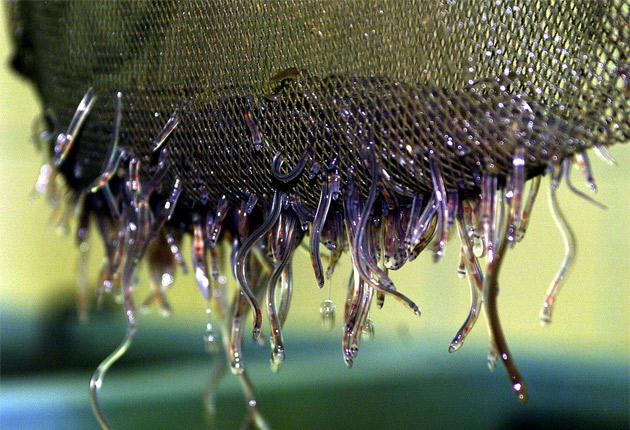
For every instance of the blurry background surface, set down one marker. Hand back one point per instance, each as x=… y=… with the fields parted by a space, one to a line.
x=577 y=369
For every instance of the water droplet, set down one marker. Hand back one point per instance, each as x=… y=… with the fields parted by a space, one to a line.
x=368 y=329
x=327 y=310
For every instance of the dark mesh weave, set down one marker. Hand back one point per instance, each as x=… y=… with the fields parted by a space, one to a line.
x=463 y=81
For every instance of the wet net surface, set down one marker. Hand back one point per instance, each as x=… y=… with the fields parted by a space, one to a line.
x=463 y=83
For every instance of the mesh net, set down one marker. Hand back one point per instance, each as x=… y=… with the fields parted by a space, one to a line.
x=468 y=83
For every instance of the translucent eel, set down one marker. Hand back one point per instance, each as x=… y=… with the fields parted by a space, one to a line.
x=96 y=382
x=475 y=280
x=603 y=153
x=368 y=270
x=83 y=229
x=451 y=212
x=242 y=223
x=243 y=252
x=356 y=321
x=420 y=225
x=159 y=174
x=488 y=212
x=439 y=192
x=213 y=224
x=65 y=141
x=278 y=161
x=218 y=373
x=567 y=178
x=414 y=217
x=461 y=266
x=527 y=209
x=236 y=365
x=427 y=235
x=367 y=267
x=254 y=418
x=500 y=216
x=490 y=292
x=112 y=235
x=261 y=254
x=235 y=355
x=223 y=311
x=354 y=328
x=160 y=271
x=340 y=243
x=351 y=309
x=287 y=235
x=138 y=214
x=165 y=211
x=569 y=245
x=114 y=154
x=584 y=164
x=161 y=268
x=253 y=130
x=303 y=215
x=318 y=224
x=141 y=222
x=515 y=193
x=174 y=241
x=394 y=246
x=286 y=282
x=44 y=129
x=200 y=268
x=199 y=263
x=476 y=227
x=166 y=131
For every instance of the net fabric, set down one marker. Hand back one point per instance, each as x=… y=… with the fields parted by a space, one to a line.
x=464 y=82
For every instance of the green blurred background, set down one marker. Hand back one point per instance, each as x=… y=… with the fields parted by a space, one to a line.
x=577 y=369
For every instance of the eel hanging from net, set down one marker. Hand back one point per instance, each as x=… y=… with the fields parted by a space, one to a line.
x=378 y=129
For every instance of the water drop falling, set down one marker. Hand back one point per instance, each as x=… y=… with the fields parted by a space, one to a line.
x=327 y=310
x=368 y=329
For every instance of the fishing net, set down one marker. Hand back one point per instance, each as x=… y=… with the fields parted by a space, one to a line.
x=375 y=127
x=468 y=83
